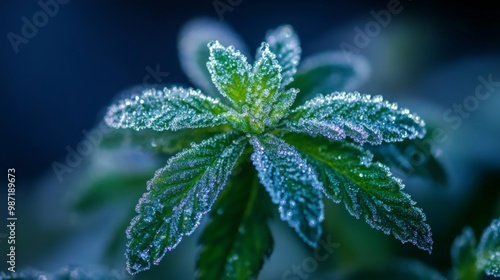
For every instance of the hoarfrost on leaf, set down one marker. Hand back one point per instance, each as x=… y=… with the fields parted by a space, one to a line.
x=194 y=54
x=167 y=109
x=230 y=72
x=362 y=118
x=178 y=196
x=284 y=42
x=259 y=99
x=366 y=188
x=255 y=91
x=488 y=250
x=291 y=183
x=268 y=103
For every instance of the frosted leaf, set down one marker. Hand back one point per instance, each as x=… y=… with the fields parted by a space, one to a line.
x=237 y=239
x=328 y=72
x=230 y=72
x=193 y=51
x=284 y=42
x=178 y=196
x=291 y=183
x=463 y=254
x=488 y=250
x=360 y=117
x=366 y=188
x=167 y=142
x=167 y=109
x=267 y=102
x=281 y=107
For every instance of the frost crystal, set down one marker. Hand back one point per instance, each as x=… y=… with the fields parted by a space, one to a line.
x=178 y=196
x=167 y=109
x=259 y=99
x=292 y=184
x=230 y=72
x=255 y=91
x=286 y=45
x=194 y=54
x=360 y=117
x=488 y=250
x=367 y=189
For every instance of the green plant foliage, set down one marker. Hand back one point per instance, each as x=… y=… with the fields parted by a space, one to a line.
x=366 y=188
x=297 y=153
x=464 y=255
x=470 y=260
x=178 y=196
x=488 y=250
x=237 y=250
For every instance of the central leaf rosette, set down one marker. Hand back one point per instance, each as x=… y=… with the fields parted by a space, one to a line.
x=256 y=92
x=298 y=154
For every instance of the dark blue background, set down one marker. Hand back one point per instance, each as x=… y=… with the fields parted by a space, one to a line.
x=63 y=78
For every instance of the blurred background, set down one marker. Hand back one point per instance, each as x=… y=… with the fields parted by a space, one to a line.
x=57 y=80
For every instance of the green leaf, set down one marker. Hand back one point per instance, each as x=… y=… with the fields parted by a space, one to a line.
x=168 y=109
x=284 y=42
x=488 y=250
x=178 y=196
x=165 y=142
x=291 y=183
x=230 y=72
x=463 y=254
x=238 y=239
x=193 y=52
x=360 y=117
x=267 y=103
x=366 y=188
x=329 y=72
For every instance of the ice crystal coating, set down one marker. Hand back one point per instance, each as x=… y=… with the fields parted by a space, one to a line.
x=259 y=100
x=284 y=42
x=194 y=54
x=163 y=142
x=255 y=91
x=178 y=196
x=469 y=261
x=167 y=109
x=360 y=117
x=488 y=250
x=230 y=72
x=267 y=102
x=291 y=183
x=366 y=188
